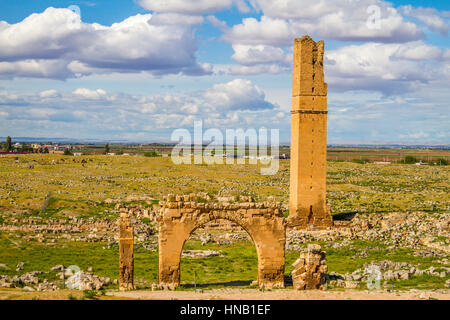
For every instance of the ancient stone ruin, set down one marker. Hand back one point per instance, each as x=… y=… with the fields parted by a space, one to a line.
x=309 y=270
x=126 y=252
x=307 y=199
x=180 y=216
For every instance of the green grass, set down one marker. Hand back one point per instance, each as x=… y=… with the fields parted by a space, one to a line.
x=80 y=190
x=237 y=267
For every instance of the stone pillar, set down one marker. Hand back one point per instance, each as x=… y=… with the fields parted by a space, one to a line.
x=126 y=251
x=307 y=199
x=309 y=270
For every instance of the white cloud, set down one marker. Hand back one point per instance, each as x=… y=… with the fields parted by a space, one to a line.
x=186 y=6
x=254 y=70
x=259 y=54
x=52 y=93
x=388 y=68
x=48 y=45
x=429 y=16
x=171 y=18
x=268 y=31
x=242 y=6
x=344 y=20
x=89 y=108
x=418 y=51
x=35 y=68
x=216 y=22
x=90 y=94
x=238 y=94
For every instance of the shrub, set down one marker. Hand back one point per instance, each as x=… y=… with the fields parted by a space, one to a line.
x=442 y=162
x=410 y=160
x=151 y=154
x=361 y=161
x=90 y=294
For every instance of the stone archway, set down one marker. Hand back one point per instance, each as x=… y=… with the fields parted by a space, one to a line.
x=264 y=223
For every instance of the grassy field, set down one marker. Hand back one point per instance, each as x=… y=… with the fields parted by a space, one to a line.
x=80 y=186
x=237 y=266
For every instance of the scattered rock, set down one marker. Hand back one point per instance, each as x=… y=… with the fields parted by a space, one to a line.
x=19 y=266
x=201 y=253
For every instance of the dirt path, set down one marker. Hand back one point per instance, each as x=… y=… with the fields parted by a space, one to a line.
x=253 y=294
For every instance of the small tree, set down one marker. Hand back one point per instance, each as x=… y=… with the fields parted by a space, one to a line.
x=106 y=149
x=67 y=152
x=8 y=144
x=45 y=150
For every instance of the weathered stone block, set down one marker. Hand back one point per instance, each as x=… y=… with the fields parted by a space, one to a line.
x=309 y=269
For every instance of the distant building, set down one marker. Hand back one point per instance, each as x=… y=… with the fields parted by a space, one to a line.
x=382 y=162
x=111 y=154
x=421 y=163
x=77 y=154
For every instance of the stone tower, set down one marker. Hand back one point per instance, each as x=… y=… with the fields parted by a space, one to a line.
x=307 y=201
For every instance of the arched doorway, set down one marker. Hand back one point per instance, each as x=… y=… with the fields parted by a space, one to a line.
x=263 y=222
x=219 y=254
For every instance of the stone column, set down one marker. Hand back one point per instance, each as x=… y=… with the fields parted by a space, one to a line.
x=307 y=199
x=126 y=251
x=309 y=270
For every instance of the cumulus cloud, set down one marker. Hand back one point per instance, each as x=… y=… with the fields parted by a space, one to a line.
x=90 y=94
x=171 y=18
x=429 y=16
x=263 y=45
x=251 y=55
x=50 y=45
x=238 y=94
x=186 y=6
x=332 y=19
x=52 y=93
x=225 y=104
x=267 y=30
x=388 y=68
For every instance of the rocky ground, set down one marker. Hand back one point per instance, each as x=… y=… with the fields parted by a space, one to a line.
x=427 y=234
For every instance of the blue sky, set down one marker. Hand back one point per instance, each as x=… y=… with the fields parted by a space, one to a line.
x=138 y=70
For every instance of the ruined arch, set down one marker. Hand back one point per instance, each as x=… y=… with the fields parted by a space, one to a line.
x=263 y=222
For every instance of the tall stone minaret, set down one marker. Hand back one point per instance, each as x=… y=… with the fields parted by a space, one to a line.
x=307 y=201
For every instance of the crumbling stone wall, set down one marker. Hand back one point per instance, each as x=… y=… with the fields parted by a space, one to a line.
x=126 y=252
x=180 y=216
x=309 y=270
x=307 y=199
